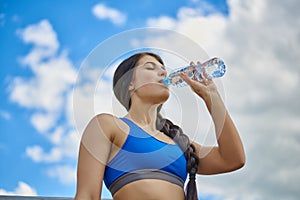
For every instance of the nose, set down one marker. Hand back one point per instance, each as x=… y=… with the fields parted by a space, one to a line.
x=163 y=73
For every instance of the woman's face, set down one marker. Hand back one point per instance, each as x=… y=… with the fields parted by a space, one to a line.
x=146 y=82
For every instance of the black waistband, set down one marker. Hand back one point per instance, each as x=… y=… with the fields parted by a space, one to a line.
x=144 y=174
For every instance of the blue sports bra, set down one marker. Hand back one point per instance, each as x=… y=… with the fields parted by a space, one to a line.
x=144 y=157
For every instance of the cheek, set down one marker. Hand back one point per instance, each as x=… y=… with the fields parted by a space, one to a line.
x=144 y=80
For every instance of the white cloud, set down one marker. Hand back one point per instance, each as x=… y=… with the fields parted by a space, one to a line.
x=164 y=21
x=53 y=75
x=57 y=136
x=41 y=35
x=45 y=92
x=65 y=174
x=69 y=144
x=81 y=109
x=103 y=12
x=64 y=146
x=43 y=122
x=50 y=82
x=37 y=154
x=22 y=189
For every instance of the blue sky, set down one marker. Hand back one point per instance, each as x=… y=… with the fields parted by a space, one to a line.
x=43 y=44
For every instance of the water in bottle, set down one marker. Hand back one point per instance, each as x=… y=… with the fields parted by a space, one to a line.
x=212 y=68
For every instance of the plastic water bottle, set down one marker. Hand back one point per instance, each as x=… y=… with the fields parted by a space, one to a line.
x=212 y=68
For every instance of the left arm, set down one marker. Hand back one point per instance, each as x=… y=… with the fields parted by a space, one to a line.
x=229 y=154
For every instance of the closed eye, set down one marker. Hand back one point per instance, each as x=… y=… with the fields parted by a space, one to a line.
x=152 y=66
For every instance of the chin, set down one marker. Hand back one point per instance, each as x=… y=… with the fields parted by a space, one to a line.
x=166 y=96
x=155 y=94
x=160 y=98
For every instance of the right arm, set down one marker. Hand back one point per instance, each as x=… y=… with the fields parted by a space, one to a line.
x=94 y=151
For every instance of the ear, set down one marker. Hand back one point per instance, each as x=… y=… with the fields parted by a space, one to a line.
x=131 y=86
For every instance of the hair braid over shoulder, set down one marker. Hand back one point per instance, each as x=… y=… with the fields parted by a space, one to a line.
x=175 y=132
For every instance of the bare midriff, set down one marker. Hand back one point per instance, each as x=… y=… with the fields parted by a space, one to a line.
x=147 y=189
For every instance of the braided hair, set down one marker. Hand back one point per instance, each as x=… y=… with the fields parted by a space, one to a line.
x=121 y=81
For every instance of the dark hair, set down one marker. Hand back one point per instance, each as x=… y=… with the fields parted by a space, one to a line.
x=121 y=81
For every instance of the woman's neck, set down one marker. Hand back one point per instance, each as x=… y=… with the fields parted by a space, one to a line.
x=144 y=115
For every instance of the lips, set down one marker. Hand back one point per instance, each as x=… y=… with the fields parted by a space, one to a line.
x=161 y=80
x=162 y=83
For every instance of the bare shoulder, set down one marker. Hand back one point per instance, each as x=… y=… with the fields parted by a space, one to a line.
x=109 y=124
x=108 y=120
x=105 y=118
x=100 y=134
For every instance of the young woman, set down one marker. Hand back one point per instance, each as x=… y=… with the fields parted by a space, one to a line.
x=144 y=156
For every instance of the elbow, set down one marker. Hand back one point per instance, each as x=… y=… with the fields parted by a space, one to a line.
x=233 y=166
x=239 y=162
x=236 y=163
x=242 y=159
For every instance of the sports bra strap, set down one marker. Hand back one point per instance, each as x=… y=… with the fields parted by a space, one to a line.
x=135 y=130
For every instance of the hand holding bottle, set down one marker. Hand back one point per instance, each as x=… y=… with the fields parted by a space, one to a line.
x=202 y=85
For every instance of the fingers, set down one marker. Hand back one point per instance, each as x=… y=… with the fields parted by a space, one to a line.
x=185 y=78
x=199 y=77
